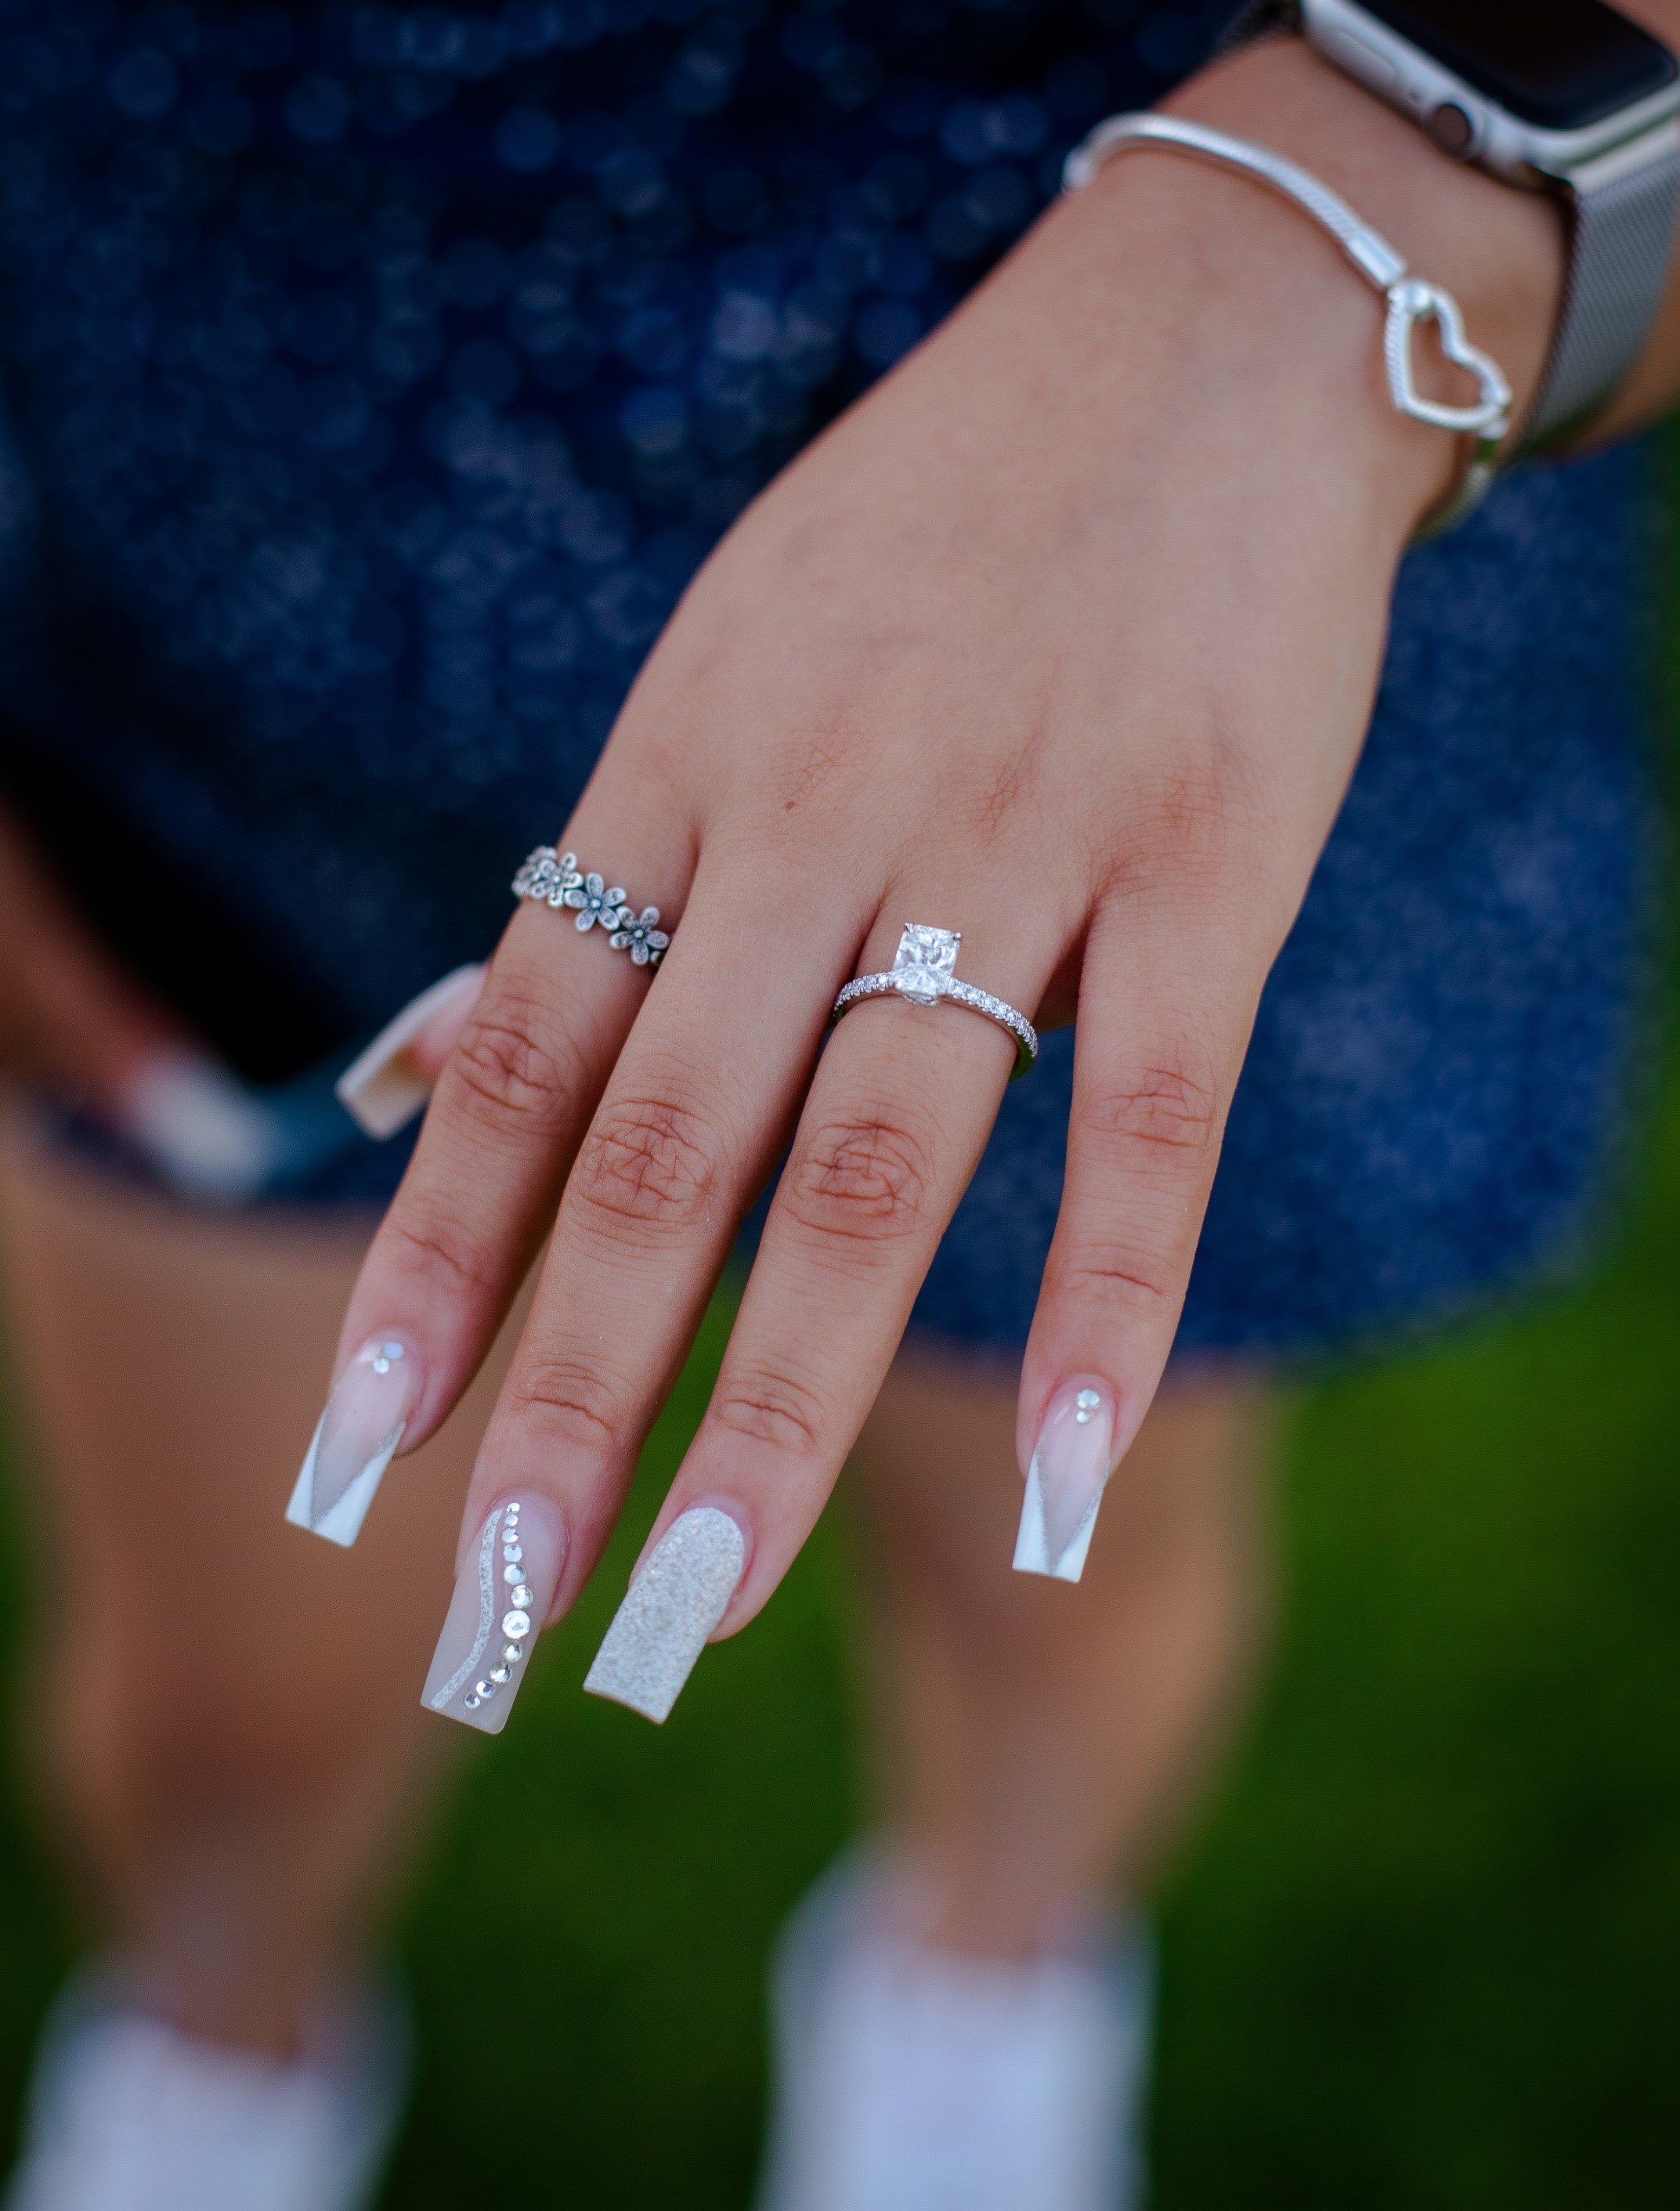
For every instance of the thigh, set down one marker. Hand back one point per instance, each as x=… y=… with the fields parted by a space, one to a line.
x=173 y=1364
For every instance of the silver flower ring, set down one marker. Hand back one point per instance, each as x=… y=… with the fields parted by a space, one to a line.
x=553 y=879
x=924 y=970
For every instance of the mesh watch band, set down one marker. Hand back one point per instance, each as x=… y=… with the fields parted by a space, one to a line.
x=1622 y=207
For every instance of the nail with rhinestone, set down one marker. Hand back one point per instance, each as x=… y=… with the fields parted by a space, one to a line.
x=357 y=1435
x=480 y=1660
x=670 y=1611
x=385 y=1085
x=1072 y=1462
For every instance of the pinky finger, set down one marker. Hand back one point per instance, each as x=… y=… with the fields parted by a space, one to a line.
x=1155 y=1063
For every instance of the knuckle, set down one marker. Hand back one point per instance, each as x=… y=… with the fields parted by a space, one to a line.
x=573 y=1401
x=1159 y=1108
x=430 y=1245
x=867 y=1174
x=774 y=1408
x=1189 y=820
x=653 y=1159
x=1143 y=1286
x=511 y=1065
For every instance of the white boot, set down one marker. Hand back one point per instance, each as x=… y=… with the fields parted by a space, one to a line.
x=127 y=2113
x=910 y=2079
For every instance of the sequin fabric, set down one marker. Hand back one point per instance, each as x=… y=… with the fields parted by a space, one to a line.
x=376 y=378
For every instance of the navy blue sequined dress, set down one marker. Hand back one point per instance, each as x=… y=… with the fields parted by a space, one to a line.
x=375 y=377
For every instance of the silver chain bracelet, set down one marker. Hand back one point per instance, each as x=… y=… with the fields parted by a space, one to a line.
x=1410 y=300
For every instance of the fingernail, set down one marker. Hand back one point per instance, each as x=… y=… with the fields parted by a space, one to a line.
x=503 y=1592
x=669 y=1611
x=199 y=1128
x=356 y=1438
x=1072 y=1462
x=385 y=1085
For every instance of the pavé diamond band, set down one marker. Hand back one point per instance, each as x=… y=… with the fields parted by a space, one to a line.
x=924 y=970
x=553 y=879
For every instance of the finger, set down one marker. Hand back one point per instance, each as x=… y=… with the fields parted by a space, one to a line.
x=889 y=1136
x=1165 y=1015
x=479 y=1195
x=688 y=1128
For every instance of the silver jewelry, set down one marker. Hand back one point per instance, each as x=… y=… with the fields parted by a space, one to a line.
x=924 y=970
x=1410 y=300
x=1615 y=165
x=553 y=878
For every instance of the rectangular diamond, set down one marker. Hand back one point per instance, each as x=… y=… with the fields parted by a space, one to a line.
x=926 y=959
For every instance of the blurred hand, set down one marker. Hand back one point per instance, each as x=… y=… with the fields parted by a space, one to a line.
x=1065 y=638
x=68 y=1014
x=71 y=1019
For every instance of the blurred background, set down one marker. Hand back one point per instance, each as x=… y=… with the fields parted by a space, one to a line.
x=1423 y=1950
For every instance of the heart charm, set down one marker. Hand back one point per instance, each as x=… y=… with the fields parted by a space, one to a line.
x=1412 y=301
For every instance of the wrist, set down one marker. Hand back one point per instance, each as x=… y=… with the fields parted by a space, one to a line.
x=1218 y=259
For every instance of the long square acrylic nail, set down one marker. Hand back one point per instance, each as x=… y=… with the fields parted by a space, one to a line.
x=356 y=1438
x=1070 y=1466
x=670 y=1612
x=503 y=1594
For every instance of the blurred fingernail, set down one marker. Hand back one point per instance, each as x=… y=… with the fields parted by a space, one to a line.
x=385 y=1085
x=202 y=1130
x=356 y=1438
x=503 y=1592
x=1072 y=1462
x=669 y=1611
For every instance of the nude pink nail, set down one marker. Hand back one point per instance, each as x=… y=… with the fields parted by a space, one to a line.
x=357 y=1435
x=385 y=1085
x=1072 y=1462
x=503 y=1593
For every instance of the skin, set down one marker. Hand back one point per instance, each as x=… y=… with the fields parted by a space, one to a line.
x=1068 y=636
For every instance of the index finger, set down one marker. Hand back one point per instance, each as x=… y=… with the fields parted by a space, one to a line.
x=479 y=1196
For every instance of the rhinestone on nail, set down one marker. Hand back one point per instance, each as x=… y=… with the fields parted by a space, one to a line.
x=512 y=1653
x=516 y=1624
x=511 y=1574
x=472 y=1702
x=524 y=1597
x=1084 y=1407
x=499 y=1674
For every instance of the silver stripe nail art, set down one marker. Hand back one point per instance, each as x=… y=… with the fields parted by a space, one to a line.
x=487 y=1614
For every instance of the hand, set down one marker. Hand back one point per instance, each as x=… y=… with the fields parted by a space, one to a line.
x=1067 y=638
x=67 y=1014
x=72 y=1018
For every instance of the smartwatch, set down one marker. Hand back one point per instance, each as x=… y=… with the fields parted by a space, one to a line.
x=1564 y=96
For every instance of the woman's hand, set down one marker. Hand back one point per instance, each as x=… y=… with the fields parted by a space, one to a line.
x=72 y=1019
x=1065 y=638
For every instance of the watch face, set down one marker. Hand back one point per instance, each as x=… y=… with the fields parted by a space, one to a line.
x=1559 y=64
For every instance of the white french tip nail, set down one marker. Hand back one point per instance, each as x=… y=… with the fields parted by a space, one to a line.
x=1072 y=1462
x=200 y=1127
x=385 y=1085
x=669 y=1612
x=503 y=1593
x=356 y=1438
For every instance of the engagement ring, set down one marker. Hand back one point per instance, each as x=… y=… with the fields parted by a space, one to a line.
x=924 y=970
